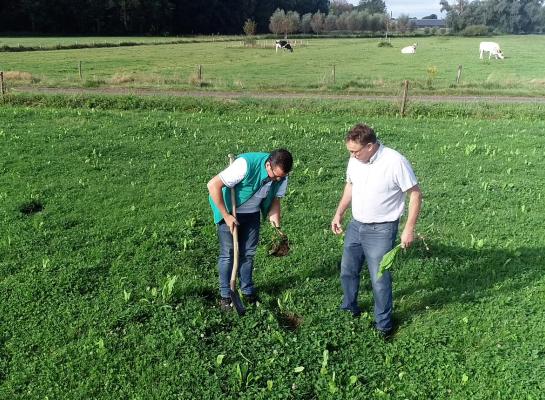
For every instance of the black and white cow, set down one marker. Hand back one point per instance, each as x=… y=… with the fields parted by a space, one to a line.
x=283 y=44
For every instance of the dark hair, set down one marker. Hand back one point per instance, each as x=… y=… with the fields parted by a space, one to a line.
x=282 y=159
x=361 y=134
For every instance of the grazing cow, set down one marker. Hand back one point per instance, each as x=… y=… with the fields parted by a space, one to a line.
x=283 y=44
x=492 y=48
x=409 y=49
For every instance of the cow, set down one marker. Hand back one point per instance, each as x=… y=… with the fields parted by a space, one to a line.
x=283 y=44
x=409 y=49
x=492 y=48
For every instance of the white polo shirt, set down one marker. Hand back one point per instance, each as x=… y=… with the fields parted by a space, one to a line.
x=235 y=173
x=379 y=186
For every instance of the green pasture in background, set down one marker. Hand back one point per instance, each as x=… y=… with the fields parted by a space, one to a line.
x=108 y=283
x=47 y=41
x=360 y=66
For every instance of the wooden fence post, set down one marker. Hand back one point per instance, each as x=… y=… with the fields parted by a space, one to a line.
x=80 y=72
x=2 y=83
x=333 y=73
x=200 y=72
x=459 y=74
x=404 y=101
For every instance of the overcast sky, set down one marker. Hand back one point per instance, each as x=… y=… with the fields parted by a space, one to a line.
x=415 y=8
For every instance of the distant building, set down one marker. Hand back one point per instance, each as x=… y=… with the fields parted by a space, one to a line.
x=430 y=23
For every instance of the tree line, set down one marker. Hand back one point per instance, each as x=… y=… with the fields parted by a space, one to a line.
x=173 y=17
x=167 y=17
x=501 y=16
x=284 y=23
x=137 y=17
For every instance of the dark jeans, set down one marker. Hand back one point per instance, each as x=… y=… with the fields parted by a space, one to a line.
x=248 y=239
x=368 y=242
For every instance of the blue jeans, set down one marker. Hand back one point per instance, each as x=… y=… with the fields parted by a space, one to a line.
x=368 y=242
x=248 y=239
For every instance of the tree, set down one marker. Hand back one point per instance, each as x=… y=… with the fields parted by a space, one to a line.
x=372 y=6
x=337 y=7
x=431 y=16
x=353 y=21
x=250 y=27
x=292 y=22
x=317 y=22
x=403 y=23
x=282 y=22
x=330 y=23
x=342 y=21
x=276 y=24
x=305 y=23
x=377 y=22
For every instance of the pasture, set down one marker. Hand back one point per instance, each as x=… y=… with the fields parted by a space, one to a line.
x=360 y=66
x=108 y=252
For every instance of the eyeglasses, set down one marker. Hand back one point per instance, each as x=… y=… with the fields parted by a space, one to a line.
x=356 y=153
x=275 y=176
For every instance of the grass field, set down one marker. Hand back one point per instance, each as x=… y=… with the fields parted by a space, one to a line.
x=47 y=41
x=360 y=66
x=108 y=284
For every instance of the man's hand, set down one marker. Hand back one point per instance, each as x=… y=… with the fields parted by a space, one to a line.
x=336 y=225
x=407 y=237
x=231 y=222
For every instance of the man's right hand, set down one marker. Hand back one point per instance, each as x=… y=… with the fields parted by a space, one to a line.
x=231 y=222
x=336 y=225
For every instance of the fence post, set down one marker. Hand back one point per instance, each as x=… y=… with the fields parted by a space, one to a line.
x=333 y=73
x=2 y=83
x=80 y=72
x=404 y=101
x=459 y=73
x=200 y=72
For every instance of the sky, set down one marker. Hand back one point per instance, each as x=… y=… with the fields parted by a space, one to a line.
x=414 y=8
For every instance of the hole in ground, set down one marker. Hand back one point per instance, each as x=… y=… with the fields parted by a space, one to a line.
x=32 y=207
x=289 y=321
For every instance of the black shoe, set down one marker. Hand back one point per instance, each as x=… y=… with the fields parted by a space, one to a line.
x=225 y=304
x=385 y=335
x=251 y=299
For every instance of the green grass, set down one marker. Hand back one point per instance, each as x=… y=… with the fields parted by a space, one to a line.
x=46 y=41
x=85 y=306
x=360 y=66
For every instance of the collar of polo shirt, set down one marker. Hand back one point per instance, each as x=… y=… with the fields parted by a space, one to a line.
x=376 y=155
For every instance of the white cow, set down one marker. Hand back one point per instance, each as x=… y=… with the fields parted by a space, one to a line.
x=492 y=48
x=409 y=49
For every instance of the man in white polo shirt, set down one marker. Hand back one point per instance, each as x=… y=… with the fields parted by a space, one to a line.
x=377 y=180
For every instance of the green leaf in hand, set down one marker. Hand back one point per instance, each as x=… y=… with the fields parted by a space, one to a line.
x=388 y=260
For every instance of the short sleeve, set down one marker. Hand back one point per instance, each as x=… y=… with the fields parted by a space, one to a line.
x=405 y=177
x=282 y=189
x=234 y=173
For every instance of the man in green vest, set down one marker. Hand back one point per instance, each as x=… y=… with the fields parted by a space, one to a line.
x=260 y=181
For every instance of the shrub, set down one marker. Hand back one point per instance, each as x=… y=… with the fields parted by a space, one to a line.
x=476 y=30
x=250 y=27
x=384 y=43
x=20 y=76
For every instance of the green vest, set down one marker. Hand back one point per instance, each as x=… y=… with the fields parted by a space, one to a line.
x=256 y=176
